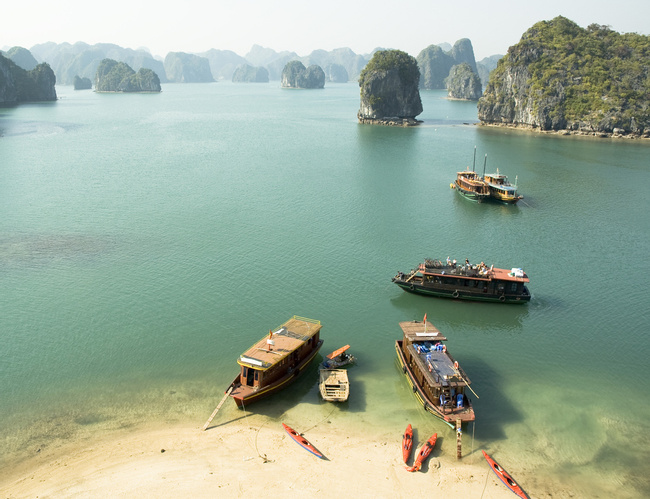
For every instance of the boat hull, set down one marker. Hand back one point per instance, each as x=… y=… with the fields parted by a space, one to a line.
x=470 y=194
x=245 y=399
x=462 y=294
x=428 y=404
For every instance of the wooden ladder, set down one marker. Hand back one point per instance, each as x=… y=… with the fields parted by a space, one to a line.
x=207 y=423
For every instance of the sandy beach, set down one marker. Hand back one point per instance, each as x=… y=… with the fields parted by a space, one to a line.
x=245 y=457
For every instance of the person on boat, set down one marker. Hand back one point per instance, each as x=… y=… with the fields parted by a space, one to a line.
x=454 y=263
x=448 y=261
x=466 y=262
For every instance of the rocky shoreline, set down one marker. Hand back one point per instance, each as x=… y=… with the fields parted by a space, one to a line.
x=617 y=134
x=394 y=121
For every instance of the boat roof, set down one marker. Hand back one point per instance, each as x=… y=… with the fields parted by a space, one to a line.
x=286 y=339
x=492 y=273
x=417 y=331
x=438 y=368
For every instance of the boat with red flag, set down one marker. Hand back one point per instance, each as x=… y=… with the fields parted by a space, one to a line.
x=302 y=441
x=505 y=477
x=437 y=380
x=424 y=453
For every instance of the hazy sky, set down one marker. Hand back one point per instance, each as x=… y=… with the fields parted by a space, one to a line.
x=303 y=26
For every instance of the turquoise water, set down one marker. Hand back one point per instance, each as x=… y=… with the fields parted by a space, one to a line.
x=147 y=240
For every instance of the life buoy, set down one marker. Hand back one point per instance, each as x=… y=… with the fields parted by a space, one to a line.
x=455 y=294
x=456 y=365
x=502 y=298
x=444 y=348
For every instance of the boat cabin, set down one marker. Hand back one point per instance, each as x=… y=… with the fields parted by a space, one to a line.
x=280 y=353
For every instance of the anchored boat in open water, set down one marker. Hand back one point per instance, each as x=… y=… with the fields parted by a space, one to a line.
x=276 y=360
x=466 y=282
x=501 y=189
x=437 y=380
x=471 y=185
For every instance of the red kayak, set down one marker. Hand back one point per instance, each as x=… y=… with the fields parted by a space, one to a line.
x=505 y=477
x=303 y=441
x=407 y=443
x=424 y=453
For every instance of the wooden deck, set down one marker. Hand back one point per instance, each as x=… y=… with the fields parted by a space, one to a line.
x=334 y=385
x=285 y=340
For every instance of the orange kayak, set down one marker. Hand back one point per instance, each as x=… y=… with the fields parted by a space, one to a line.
x=302 y=441
x=424 y=453
x=505 y=477
x=407 y=443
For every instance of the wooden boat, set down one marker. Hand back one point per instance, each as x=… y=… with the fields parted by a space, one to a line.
x=338 y=358
x=505 y=477
x=471 y=186
x=302 y=441
x=424 y=453
x=407 y=443
x=437 y=381
x=501 y=189
x=276 y=360
x=466 y=282
x=334 y=385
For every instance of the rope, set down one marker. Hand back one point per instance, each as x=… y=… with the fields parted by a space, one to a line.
x=263 y=457
x=333 y=409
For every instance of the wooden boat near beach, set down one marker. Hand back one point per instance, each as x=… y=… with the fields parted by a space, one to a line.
x=338 y=358
x=334 y=385
x=437 y=380
x=505 y=477
x=276 y=360
x=466 y=282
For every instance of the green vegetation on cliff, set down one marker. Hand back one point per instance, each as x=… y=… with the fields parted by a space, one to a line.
x=586 y=78
x=113 y=76
x=386 y=60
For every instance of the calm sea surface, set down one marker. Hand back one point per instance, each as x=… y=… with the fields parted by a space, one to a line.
x=147 y=240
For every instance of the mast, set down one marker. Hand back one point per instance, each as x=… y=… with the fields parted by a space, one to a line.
x=474 y=164
x=484 y=163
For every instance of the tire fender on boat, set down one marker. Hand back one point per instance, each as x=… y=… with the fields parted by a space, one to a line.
x=502 y=298
x=455 y=294
x=412 y=287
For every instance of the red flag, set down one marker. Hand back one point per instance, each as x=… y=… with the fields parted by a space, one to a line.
x=425 y=317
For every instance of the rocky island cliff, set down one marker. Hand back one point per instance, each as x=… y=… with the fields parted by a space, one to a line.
x=296 y=75
x=19 y=85
x=561 y=77
x=390 y=92
x=113 y=76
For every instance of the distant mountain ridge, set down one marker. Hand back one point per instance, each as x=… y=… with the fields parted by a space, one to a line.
x=81 y=59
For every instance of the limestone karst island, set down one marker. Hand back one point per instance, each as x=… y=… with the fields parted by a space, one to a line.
x=559 y=78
